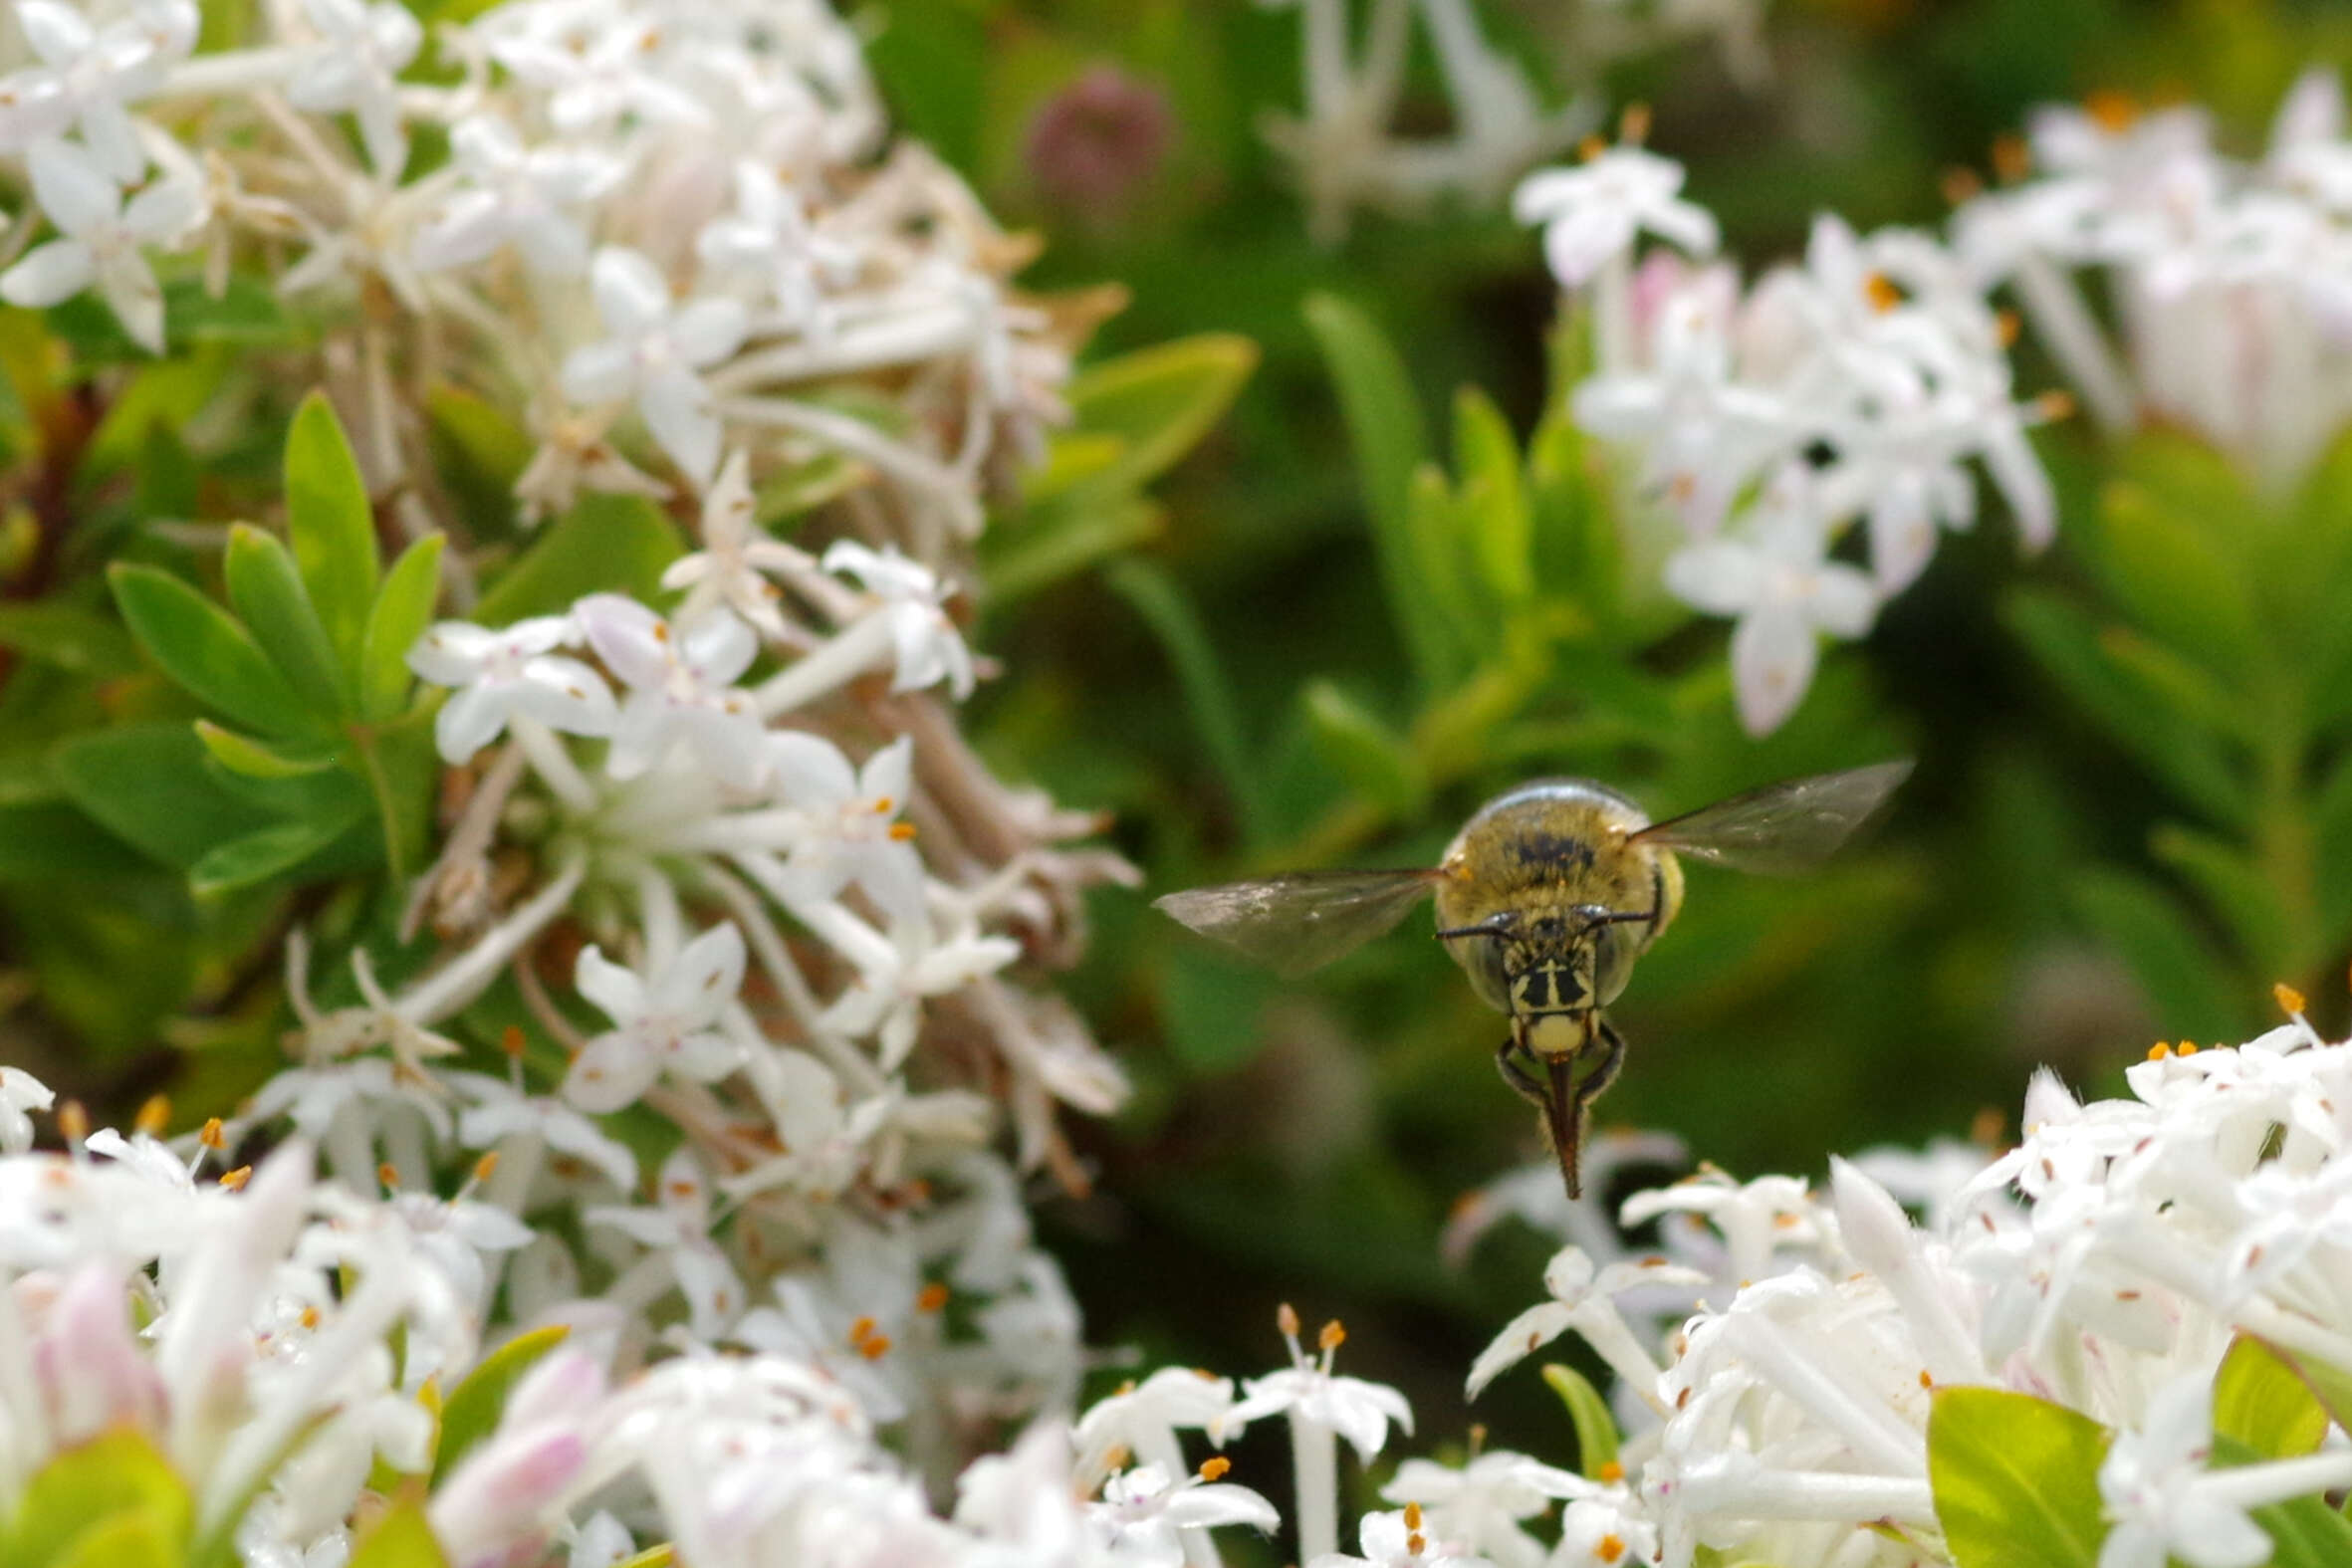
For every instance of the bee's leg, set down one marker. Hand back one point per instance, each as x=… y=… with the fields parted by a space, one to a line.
x=1604 y=1070
x=1523 y=1083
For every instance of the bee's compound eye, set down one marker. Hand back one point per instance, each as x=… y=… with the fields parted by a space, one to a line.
x=1614 y=950
x=1481 y=960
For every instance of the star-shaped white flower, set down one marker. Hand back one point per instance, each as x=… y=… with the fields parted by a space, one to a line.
x=1584 y=1299
x=517 y=197
x=681 y=688
x=1480 y=1503
x=895 y=973
x=20 y=1094
x=1142 y=1514
x=1308 y=1391
x=1394 y=1539
x=508 y=672
x=1591 y=214
x=848 y=821
x=679 y=1225
x=2162 y=1499
x=662 y=1023
x=355 y=66
x=735 y=551
x=501 y=1111
x=768 y=237
x=929 y=649
x=1784 y=592
x=98 y=73
x=102 y=240
x=652 y=354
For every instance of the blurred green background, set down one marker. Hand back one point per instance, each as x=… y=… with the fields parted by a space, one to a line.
x=1227 y=686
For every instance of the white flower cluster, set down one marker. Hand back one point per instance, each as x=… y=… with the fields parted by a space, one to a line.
x=1345 y=149
x=1855 y=387
x=2105 y=1264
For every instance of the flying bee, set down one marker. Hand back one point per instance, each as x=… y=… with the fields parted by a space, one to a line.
x=1545 y=898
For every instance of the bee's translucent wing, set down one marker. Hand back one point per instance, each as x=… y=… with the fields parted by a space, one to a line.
x=1304 y=920
x=1789 y=826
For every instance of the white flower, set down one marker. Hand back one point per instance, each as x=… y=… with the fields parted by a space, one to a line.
x=678 y=1229
x=1479 y=1506
x=2162 y=1499
x=1144 y=1419
x=1785 y=594
x=1392 y=1540
x=514 y=196
x=500 y=1112
x=652 y=354
x=1308 y=1391
x=1591 y=214
x=896 y=972
x=768 y=237
x=95 y=74
x=103 y=240
x=735 y=551
x=662 y=1023
x=507 y=673
x=681 y=688
x=1584 y=1299
x=355 y=66
x=929 y=648
x=603 y=73
x=504 y=1496
x=20 y=1094
x=1144 y=1518
x=849 y=827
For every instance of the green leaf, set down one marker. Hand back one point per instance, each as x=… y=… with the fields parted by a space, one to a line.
x=2242 y=894
x=1384 y=429
x=2264 y=1403
x=1574 y=533
x=1155 y=597
x=75 y=639
x=2016 y=1479
x=402 y=610
x=2185 y=984
x=1441 y=575
x=1159 y=402
x=203 y=648
x=606 y=544
x=243 y=755
x=1372 y=757
x=95 y=1484
x=481 y=438
x=332 y=526
x=2330 y=1385
x=1596 y=1429
x=399 y=1538
x=1493 y=501
x=2305 y=1531
x=266 y=590
x=261 y=855
x=476 y=1404
x=2136 y=716
x=134 y=1538
x=1061 y=540
x=2332 y=832
x=2163 y=564
x=50 y=839
x=147 y=785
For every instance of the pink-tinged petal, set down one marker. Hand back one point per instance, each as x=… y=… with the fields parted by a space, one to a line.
x=708 y=330
x=1844 y=602
x=706 y=974
x=610 y=1071
x=719 y=647
x=677 y=408
x=1773 y=658
x=1717 y=577
x=71 y=187
x=566 y=695
x=53 y=272
x=615 y=989
x=634 y=642
x=471 y=719
x=810 y=772
x=631 y=294
x=602 y=372
x=1578 y=245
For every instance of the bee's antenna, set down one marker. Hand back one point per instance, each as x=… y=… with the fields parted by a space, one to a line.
x=1499 y=924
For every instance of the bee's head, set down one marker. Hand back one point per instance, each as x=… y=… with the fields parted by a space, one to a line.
x=1539 y=961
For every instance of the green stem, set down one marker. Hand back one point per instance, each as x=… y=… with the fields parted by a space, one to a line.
x=381 y=787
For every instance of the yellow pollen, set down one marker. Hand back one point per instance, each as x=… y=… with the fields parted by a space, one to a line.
x=154 y=1116
x=1611 y=1474
x=213 y=1136
x=1416 y=1543
x=681 y=1189
x=2005 y=326
x=1214 y=1467
x=1608 y=1548
x=902 y=831
x=1882 y=293
x=2055 y=404
x=2012 y=159
x=1333 y=1336
x=72 y=1119
x=235 y=1179
x=1960 y=185
x=485 y=1165
x=2111 y=112
x=875 y=1348
x=661 y=631
x=309 y=1317
x=1925 y=1381
x=2290 y=1000
x=1285 y=1319
x=386 y=1176
x=510 y=1040
x=883 y=805
x=2159 y=1050
x=1413 y=1518
x=1591 y=148
x=2187 y=1047
x=1633 y=126
x=933 y=1298
x=861 y=1331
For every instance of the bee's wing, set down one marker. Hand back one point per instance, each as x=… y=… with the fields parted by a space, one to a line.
x=1789 y=826
x=1304 y=920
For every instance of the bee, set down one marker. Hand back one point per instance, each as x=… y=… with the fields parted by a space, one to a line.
x=1545 y=898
